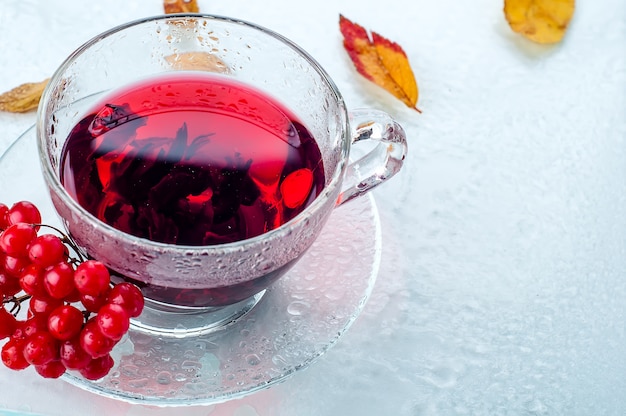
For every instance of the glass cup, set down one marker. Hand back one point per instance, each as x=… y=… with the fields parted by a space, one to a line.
x=198 y=289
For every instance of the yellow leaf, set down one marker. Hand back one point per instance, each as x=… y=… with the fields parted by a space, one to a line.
x=542 y=21
x=22 y=98
x=180 y=6
x=381 y=61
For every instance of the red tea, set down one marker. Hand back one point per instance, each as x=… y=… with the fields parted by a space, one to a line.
x=192 y=159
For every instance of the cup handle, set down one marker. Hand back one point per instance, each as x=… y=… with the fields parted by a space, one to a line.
x=381 y=162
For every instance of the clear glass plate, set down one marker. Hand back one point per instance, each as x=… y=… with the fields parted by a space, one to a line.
x=297 y=320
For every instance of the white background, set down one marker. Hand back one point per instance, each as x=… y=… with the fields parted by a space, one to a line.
x=503 y=280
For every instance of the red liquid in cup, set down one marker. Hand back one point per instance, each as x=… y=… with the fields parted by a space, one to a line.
x=192 y=159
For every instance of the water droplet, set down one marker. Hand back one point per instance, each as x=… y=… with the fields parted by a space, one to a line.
x=253 y=359
x=266 y=265
x=137 y=383
x=190 y=365
x=279 y=360
x=334 y=294
x=129 y=370
x=297 y=308
x=164 y=377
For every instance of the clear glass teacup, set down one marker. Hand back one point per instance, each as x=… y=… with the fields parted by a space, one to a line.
x=204 y=287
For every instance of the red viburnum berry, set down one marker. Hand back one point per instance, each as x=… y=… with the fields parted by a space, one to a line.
x=31 y=281
x=47 y=250
x=59 y=280
x=128 y=296
x=4 y=222
x=28 y=327
x=65 y=322
x=97 y=367
x=14 y=240
x=73 y=356
x=9 y=285
x=94 y=303
x=52 y=369
x=93 y=341
x=24 y=211
x=8 y=323
x=92 y=278
x=41 y=348
x=13 y=354
x=113 y=321
x=14 y=266
x=43 y=306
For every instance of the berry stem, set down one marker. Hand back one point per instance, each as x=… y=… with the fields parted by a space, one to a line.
x=17 y=303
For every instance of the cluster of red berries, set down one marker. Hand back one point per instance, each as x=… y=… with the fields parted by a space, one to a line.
x=75 y=316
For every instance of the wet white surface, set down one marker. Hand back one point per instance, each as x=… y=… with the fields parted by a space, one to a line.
x=501 y=288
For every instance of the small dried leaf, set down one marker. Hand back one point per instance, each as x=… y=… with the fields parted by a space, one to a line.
x=180 y=6
x=23 y=98
x=380 y=60
x=197 y=61
x=542 y=21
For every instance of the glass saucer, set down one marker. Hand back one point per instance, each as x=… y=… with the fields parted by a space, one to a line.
x=297 y=320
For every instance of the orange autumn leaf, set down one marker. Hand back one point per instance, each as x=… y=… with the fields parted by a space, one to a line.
x=180 y=6
x=542 y=21
x=380 y=60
